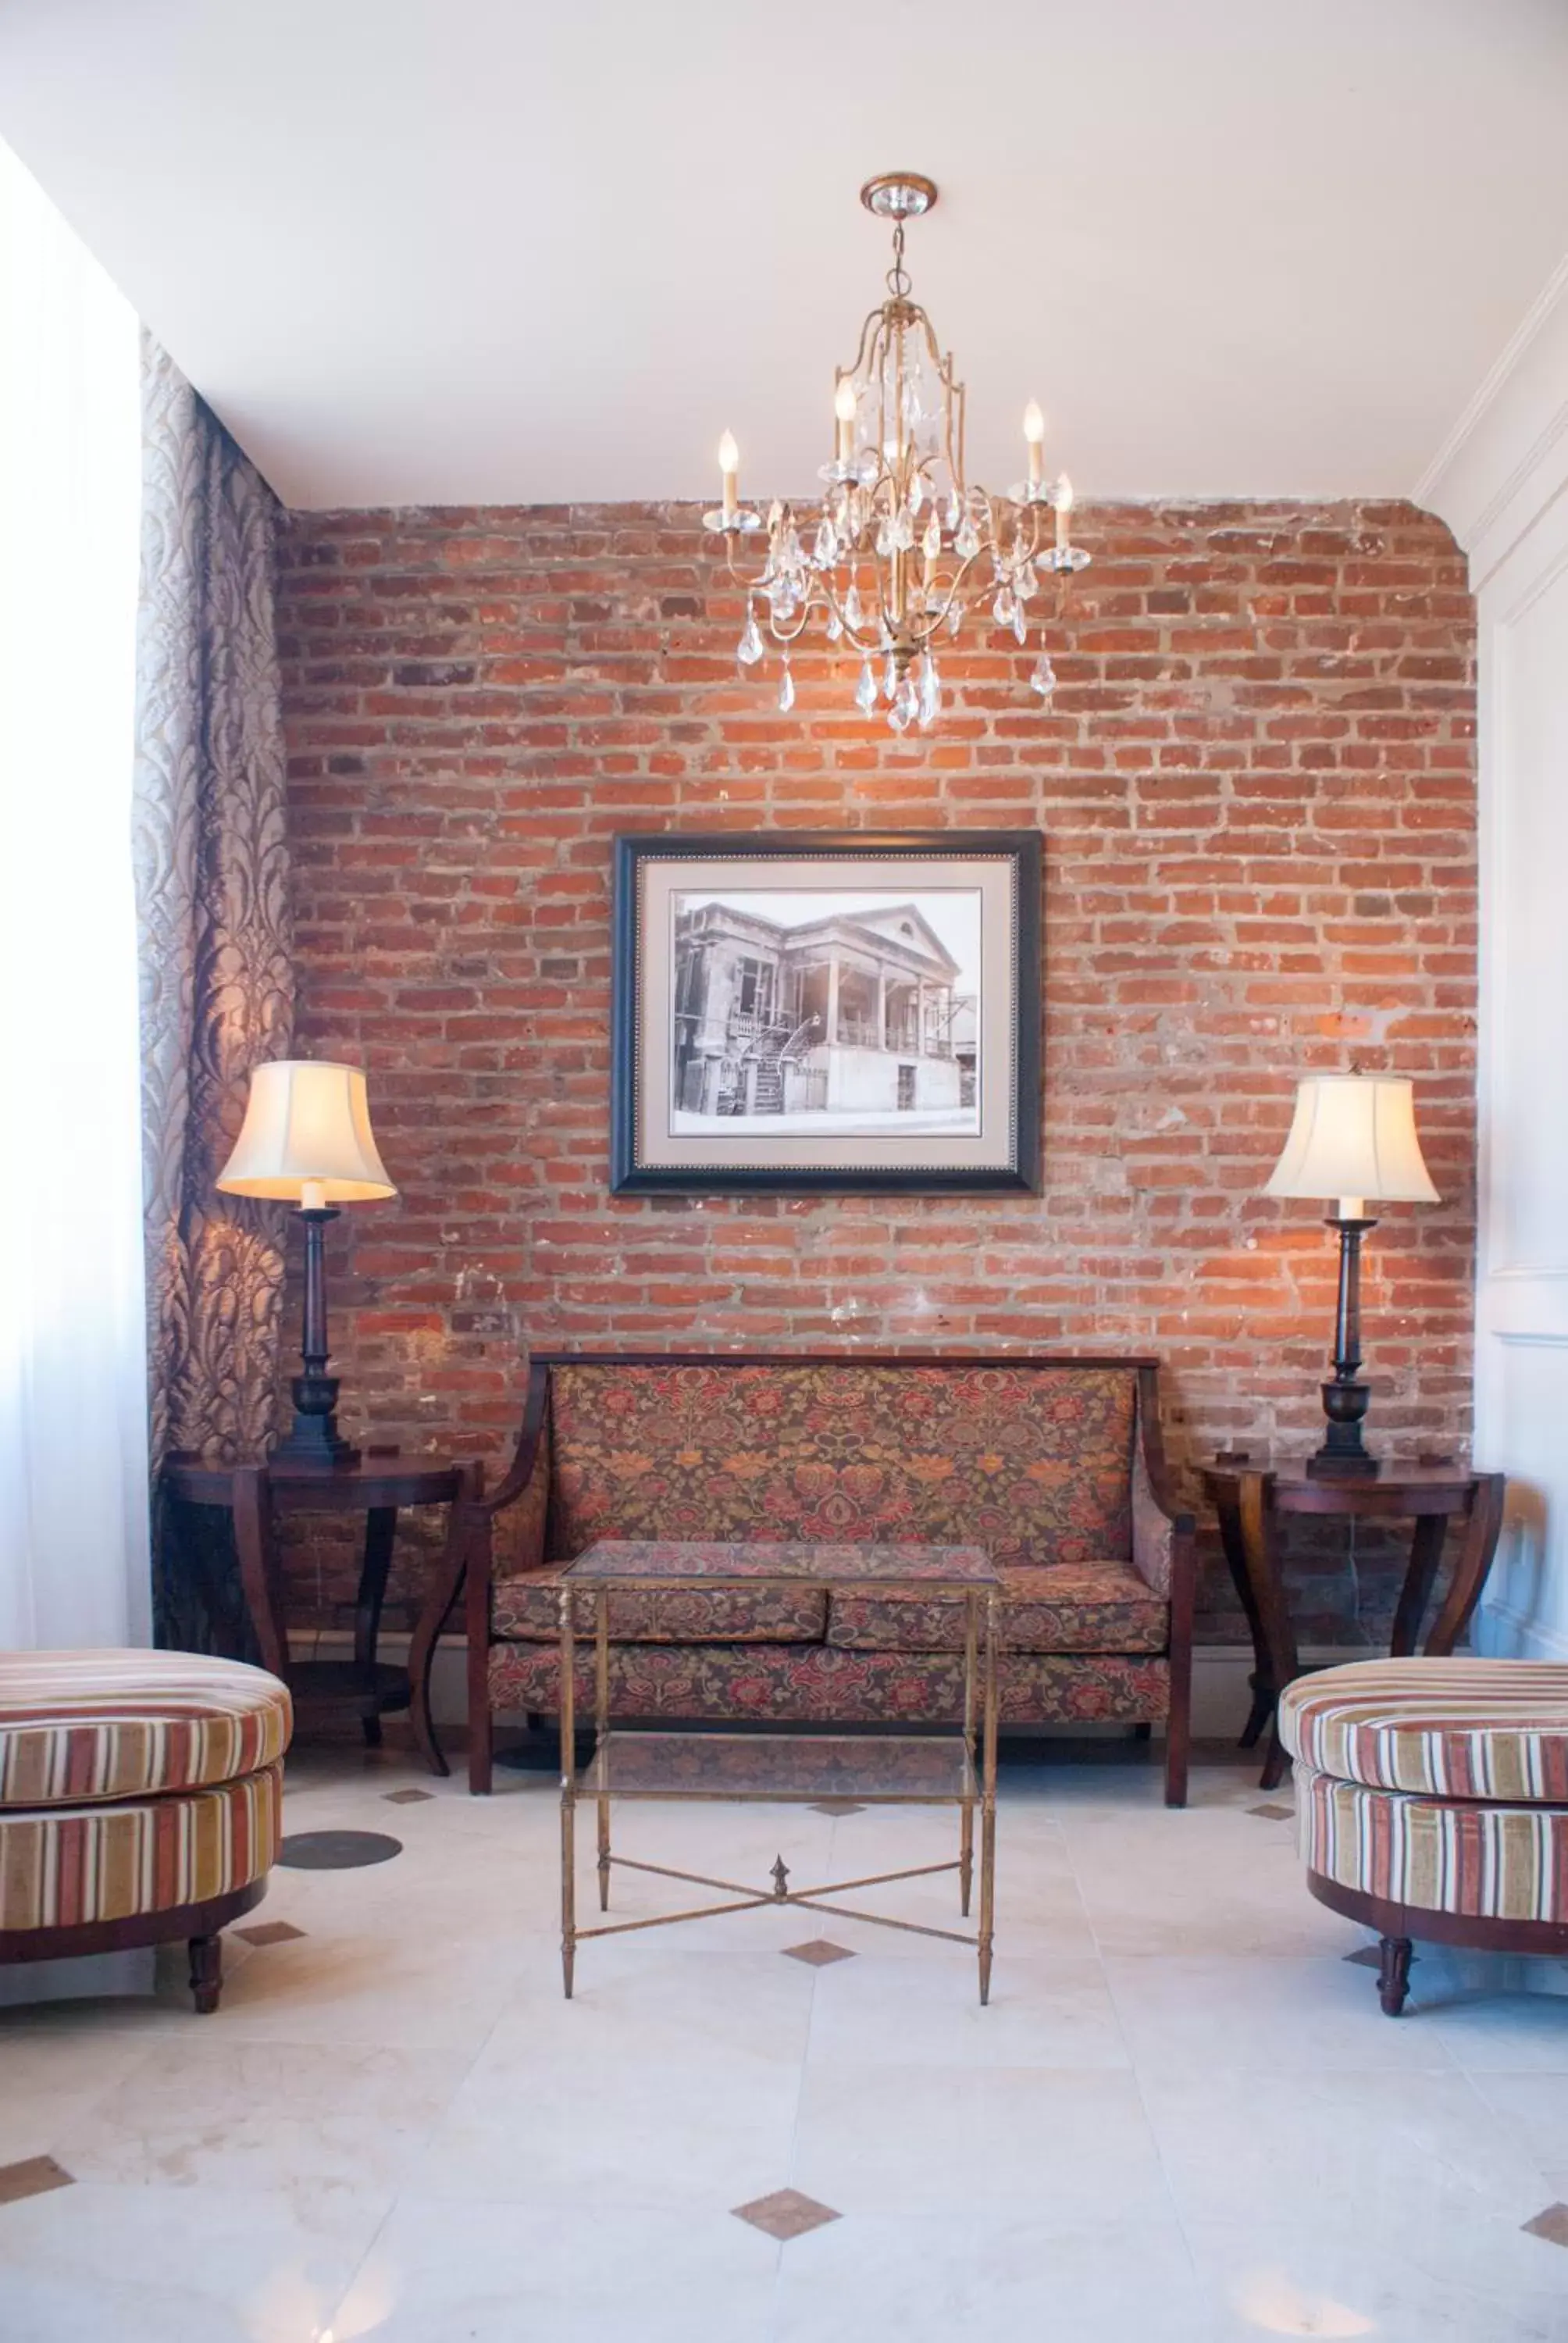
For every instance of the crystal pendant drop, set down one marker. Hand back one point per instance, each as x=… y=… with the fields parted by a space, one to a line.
x=905 y=706
x=786 y=687
x=748 y=649
x=930 y=693
x=955 y=617
x=890 y=677
x=866 y=690
x=825 y=550
x=904 y=533
x=966 y=545
x=884 y=538
x=955 y=509
x=852 y=608
x=1025 y=582
x=917 y=492
x=932 y=544
x=1003 y=608
x=835 y=626
x=1019 y=625
x=1043 y=677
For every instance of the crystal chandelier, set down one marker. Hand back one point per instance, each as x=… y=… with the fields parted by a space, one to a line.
x=901 y=548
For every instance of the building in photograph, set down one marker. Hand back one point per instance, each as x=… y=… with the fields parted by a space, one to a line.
x=855 y=1012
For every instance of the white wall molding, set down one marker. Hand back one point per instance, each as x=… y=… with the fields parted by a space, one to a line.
x=1501 y=482
x=1506 y=462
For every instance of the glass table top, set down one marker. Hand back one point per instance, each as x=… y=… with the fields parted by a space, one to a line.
x=696 y=1562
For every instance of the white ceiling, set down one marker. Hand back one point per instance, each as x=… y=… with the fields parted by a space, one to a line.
x=466 y=251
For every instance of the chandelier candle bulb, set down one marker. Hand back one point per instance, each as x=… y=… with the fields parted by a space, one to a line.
x=844 y=408
x=729 y=465
x=1034 y=432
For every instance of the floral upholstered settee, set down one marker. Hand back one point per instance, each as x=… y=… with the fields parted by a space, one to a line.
x=1054 y=1466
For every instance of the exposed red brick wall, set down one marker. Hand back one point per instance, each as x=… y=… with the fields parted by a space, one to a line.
x=1256 y=786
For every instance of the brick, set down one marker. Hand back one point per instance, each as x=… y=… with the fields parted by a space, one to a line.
x=1256 y=786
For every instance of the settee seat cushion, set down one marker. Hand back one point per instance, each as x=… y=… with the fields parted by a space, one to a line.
x=1494 y=1730
x=808 y=1683
x=66 y=1866
x=81 y=1726
x=1090 y=1606
x=528 y=1610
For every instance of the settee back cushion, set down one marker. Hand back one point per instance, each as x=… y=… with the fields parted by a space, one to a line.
x=1032 y=1463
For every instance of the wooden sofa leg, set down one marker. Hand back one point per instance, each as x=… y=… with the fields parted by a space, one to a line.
x=1176 y=1762
x=1393 y=1974
x=207 y=1973
x=481 y=1748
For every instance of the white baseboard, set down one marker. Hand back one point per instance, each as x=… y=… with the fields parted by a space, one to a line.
x=1221 y=1694
x=1501 y=1633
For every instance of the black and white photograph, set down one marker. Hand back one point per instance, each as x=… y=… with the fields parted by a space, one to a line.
x=842 y=1012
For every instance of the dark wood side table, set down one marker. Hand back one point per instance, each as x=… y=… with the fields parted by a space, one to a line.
x=375 y=1486
x=1250 y=1498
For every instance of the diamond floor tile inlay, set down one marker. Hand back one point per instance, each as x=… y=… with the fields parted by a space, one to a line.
x=786 y=2214
x=1552 y=2225
x=837 y=1807
x=1273 y=1813
x=270 y=1932
x=31 y=2178
x=818 y=1954
x=408 y=1797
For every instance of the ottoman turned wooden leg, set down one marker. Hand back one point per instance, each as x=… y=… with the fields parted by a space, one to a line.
x=207 y=1973
x=1394 y=1974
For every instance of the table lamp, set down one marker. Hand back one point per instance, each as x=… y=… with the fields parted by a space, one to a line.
x=307 y=1140
x=1352 y=1141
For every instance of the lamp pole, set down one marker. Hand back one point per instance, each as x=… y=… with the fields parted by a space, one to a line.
x=1346 y=1397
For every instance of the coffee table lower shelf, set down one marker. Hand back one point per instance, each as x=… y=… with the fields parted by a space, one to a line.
x=894 y=1769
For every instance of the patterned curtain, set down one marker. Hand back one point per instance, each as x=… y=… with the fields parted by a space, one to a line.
x=217 y=976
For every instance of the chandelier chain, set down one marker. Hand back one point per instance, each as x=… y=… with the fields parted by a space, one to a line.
x=899 y=282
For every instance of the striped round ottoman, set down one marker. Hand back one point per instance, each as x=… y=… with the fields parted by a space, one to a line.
x=1432 y=1801
x=141 y=1799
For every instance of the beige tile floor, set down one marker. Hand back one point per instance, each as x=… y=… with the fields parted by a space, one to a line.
x=1181 y=2120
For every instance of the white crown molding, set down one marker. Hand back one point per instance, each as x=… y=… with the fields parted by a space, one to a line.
x=1505 y=461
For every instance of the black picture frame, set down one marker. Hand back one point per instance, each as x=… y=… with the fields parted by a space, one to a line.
x=1009 y=861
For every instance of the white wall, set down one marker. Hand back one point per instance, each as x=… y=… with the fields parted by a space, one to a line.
x=1502 y=484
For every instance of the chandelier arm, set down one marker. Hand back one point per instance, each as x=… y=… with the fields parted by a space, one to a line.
x=786 y=636
x=956 y=592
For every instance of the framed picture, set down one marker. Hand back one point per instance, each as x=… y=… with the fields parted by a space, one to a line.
x=849 y=1011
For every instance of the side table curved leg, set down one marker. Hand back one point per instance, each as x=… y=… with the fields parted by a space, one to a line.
x=1276 y=1636
x=448 y=1584
x=380 y=1535
x=1481 y=1531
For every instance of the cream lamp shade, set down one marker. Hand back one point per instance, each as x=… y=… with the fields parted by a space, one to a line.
x=1353 y=1136
x=306 y=1138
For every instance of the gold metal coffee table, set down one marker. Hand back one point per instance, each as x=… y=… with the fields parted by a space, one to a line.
x=954 y=1768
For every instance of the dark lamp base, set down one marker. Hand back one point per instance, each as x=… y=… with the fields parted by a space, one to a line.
x=1342 y=1456
x=314 y=1440
x=1333 y=1464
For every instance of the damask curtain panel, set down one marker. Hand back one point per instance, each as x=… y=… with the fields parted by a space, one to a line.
x=211 y=855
